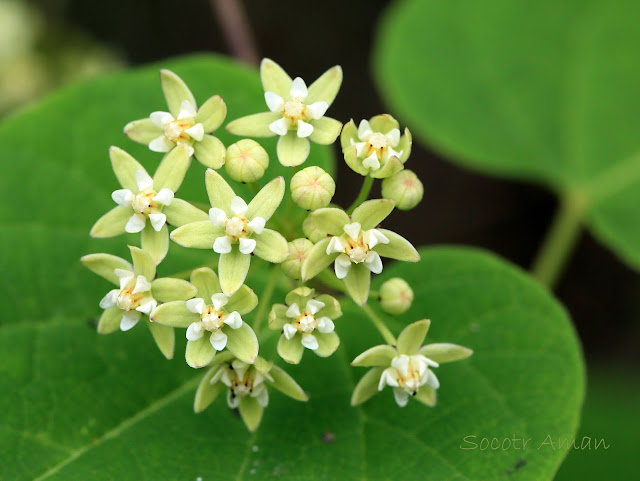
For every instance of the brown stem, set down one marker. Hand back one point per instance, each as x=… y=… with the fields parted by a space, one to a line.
x=236 y=29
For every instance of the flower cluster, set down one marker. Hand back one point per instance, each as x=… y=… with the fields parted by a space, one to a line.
x=219 y=314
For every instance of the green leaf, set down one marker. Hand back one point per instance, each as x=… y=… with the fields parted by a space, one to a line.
x=543 y=91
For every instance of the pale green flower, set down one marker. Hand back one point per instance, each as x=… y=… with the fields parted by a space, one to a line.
x=406 y=367
x=312 y=188
x=298 y=251
x=404 y=188
x=296 y=112
x=247 y=161
x=395 y=296
x=184 y=124
x=137 y=295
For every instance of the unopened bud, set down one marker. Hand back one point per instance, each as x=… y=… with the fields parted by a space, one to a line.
x=298 y=251
x=396 y=296
x=246 y=161
x=404 y=188
x=312 y=188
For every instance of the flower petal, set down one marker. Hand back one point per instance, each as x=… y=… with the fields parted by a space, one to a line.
x=171 y=171
x=207 y=391
x=104 y=265
x=256 y=125
x=279 y=126
x=219 y=191
x=313 y=306
x=298 y=89
x=165 y=338
x=143 y=264
x=187 y=110
x=357 y=283
x=110 y=320
x=135 y=223
x=222 y=245
x=219 y=300
x=290 y=350
x=112 y=223
x=317 y=260
x=327 y=343
x=232 y=270
x=242 y=342
x=325 y=130
x=206 y=282
x=238 y=205
x=199 y=235
x=233 y=320
x=157 y=221
x=109 y=300
x=129 y=319
x=326 y=87
x=212 y=113
x=371 y=212
x=325 y=325
x=274 y=78
x=246 y=246
x=181 y=212
x=364 y=130
x=274 y=101
x=317 y=109
x=168 y=289
x=292 y=150
x=161 y=144
x=196 y=132
x=271 y=246
x=309 y=341
x=381 y=355
x=289 y=330
x=383 y=123
x=122 y=197
x=174 y=314
x=251 y=412
x=398 y=248
x=353 y=230
x=143 y=131
x=393 y=137
x=373 y=262
x=366 y=387
x=196 y=305
x=401 y=396
x=412 y=337
x=199 y=352
x=342 y=266
x=329 y=220
x=210 y=152
x=175 y=91
x=156 y=244
x=304 y=129
x=125 y=167
x=285 y=384
x=218 y=340
x=257 y=225
x=445 y=352
x=267 y=200
x=426 y=395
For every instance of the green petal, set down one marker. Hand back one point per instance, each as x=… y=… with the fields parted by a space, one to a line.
x=290 y=349
x=242 y=342
x=286 y=384
x=142 y=131
x=357 y=283
x=198 y=235
x=207 y=392
x=405 y=145
x=200 y=353
x=445 y=352
x=110 y=320
x=143 y=264
x=312 y=231
x=383 y=123
x=243 y=301
x=278 y=317
x=329 y=220
x=174 y=314
x=155 y=243
x=262 y=365
x=165 y=338
x=181 y=212
x=125 y=167
x=212 y=113
x=220 y=193
x=327 y=343
x=171 y=171
x=371 y=212
x=175 y=91
x=271 y=246
x=210 y=152
x=232 y=270
x=325 y=130
x=351 y=159
x=331 y=307
x=206 y=282
x=265 y=203
x=104 y=265
x=112 y=223
x=366 y=387
x=250 y=412
x=412 y=337
x=426 y=395
x=376 y=356
x=349 y=132
x=392 y=166
x=398 y=248
x=318 y=260
x=292 y=150
x=326 y=87
x=256 y=125
x=275 y=79
x=300 y=296
x=168 y=289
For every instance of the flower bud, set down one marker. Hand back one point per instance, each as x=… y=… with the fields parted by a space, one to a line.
x=246 y=161
x=396 y=296
x=298 y=251
x=404 y=188
x=312 y=188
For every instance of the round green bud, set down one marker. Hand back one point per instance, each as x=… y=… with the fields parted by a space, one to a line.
x=246 y=161
x=404 y=188
x=396 y=296
x=312 y=188
x=298 y=251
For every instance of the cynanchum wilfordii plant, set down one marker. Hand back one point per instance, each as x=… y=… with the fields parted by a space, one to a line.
x=216 y=310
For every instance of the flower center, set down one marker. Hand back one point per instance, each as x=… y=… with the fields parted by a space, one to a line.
x=306 y=323
x=127 y=300
x=236 y=227
x=357 y=249
x=211 y=320
x=294 y=110
x=377 y=143
x=175 y=131
x=143 y=203
x=241 y=387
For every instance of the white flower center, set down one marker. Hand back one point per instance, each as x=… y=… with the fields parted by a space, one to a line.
x=411 y=374
x=378 y=141
x=357 y=249
x=211 y=320
x=306 y=323
x=127 y=300
x=143 y=203
x=175 y=130
x=294 y=110
x=236 y=227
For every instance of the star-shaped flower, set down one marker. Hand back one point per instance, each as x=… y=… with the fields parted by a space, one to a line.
x=236 y=230
x=407 y=367
x=296 y=112
x=213 y=320
x=355 y=244
x=305 y=321
x=146 y=204
x=184 y=124
x=137 y=295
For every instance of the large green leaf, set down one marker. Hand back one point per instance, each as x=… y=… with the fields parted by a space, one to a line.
x=57 y=181
x=78 y=406
x=543 y=90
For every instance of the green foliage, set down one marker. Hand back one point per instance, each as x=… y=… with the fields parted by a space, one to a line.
x=545 y=91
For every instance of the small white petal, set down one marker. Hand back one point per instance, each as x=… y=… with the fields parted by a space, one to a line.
x=234 y=320
x=401 y=363
x=342 y=266
x=157 y=221
x=402 y=396
x=372 y=162
x=313 y=306
x=393 y=137
x=289 y=330
x=353 y=230
x=218 y=375
x=238 y=205
x=432 y=380
x=161 y=144
x=194 y=331
x=196 y=132
x=360 y=146
x=232 y=401
x=374 y=237
x=142 y=285
x=240 y=367
x=218 y=340
x=274 y=101
x=247 y=246
x=135 y=223
x=219 y=300
x=222 y=245
x=187 y=110
x=196 y=305
x=298 y=89
x=364 y=130
x=335 y=245
x=122 y=197
x=304 y=129
x=309 y=341
x=261 y=395
x=124 y=275
x=393 y=153
x=143 y=180
x=317 y=109
x=293 y=311
x=279 y=127
x=325 y=325
x=217 y=217
x=190 y=150
x=165 y=196
x=257 y=225
x=110 y=299
x=148 y=307
x=389 y=378
x=161 y=119
x=129 y=319
x=373 y=262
